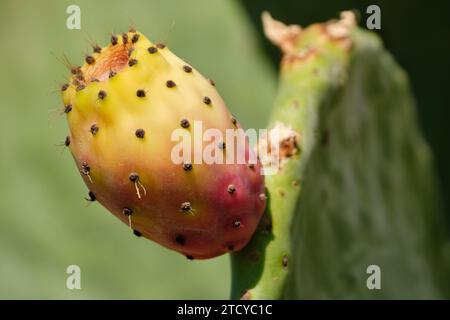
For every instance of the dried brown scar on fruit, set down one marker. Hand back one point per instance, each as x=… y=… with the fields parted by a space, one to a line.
x=112 y=58
x=278 y=145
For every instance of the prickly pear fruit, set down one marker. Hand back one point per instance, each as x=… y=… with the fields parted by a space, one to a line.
x=122 y=107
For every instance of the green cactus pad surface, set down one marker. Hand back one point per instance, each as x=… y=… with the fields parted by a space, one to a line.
x=360 y=189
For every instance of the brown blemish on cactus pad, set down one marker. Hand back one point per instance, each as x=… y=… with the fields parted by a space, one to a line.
x=211 y=81
x=187 y=69
x=64 y=87
x=140 y=133
x=289 y=146
x=284 y=261
x=278 y=145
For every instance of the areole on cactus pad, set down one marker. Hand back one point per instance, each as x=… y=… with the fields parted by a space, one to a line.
x=122 y=107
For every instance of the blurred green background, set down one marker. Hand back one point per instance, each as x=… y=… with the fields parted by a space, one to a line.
x=45 y=224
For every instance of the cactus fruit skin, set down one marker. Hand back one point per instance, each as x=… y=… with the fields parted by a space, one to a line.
x=361 y=190
x=125 y=102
